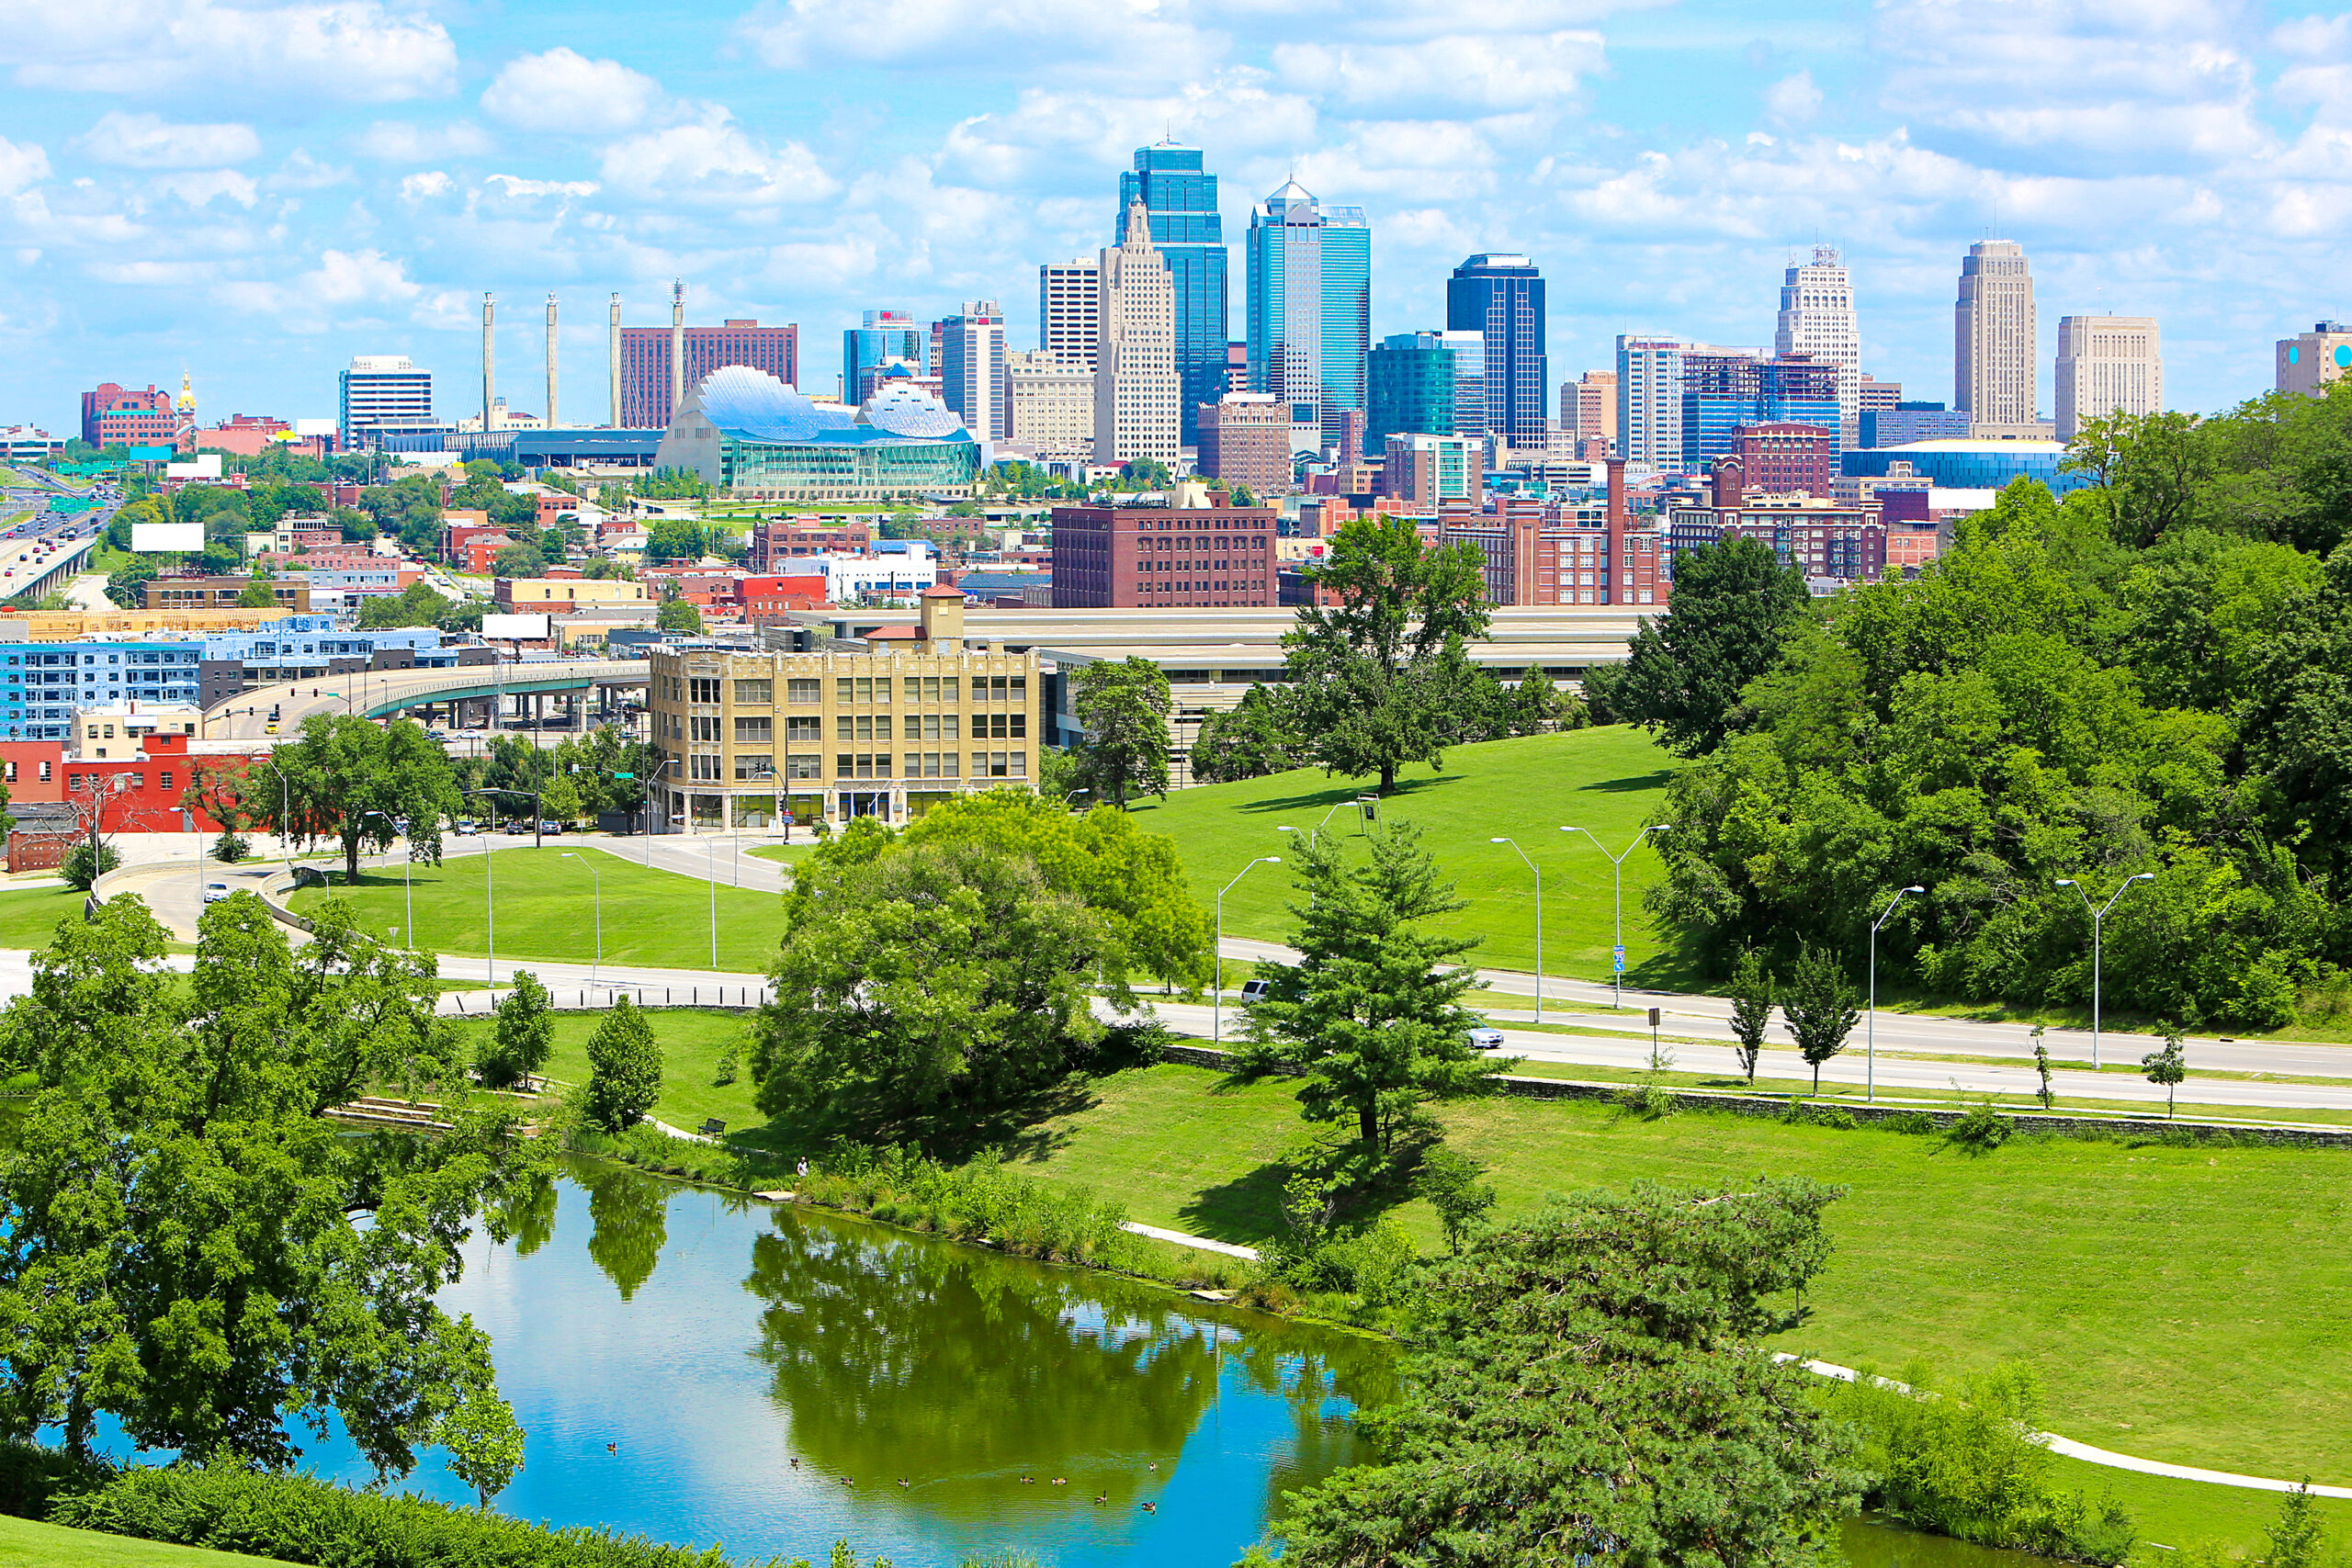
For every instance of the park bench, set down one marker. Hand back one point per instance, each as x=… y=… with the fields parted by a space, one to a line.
x=713 y=1127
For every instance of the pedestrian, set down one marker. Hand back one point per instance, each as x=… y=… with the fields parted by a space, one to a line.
x=804 y=1167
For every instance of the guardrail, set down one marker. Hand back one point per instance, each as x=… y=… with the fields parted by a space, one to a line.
x=598 y=998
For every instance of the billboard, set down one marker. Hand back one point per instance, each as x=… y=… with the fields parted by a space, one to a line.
x=527 y=629
x=149 y=537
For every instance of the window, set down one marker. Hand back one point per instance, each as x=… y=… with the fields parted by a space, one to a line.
x=756 y=694
x=753 y=731
x=705 y=729
x=845 y=690
x=810 y=729
x=749 y=767
x=804 y=767
x=702 y=766
x=166 y=782
x=800 y=690
x=703 y=689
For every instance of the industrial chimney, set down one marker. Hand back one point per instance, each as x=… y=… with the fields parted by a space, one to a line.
x=551 y=419
x=613 y=357
x=677 y=345
x=488 y=358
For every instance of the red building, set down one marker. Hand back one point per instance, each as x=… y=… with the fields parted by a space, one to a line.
x=787 y=537
x=768 y=599
x=1786 y=459
x=118 y=416
x=645 y=363
x=143 y=794
x=1119 y=557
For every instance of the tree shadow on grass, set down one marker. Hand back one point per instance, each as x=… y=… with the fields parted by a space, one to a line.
x=1247 y=1209
x=1631 y=782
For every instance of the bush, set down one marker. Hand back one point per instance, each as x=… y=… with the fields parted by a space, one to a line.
x=82 y=866
x=1916 y=1122
x=229 y=848
x=985 y=1201
x=1980 y=1128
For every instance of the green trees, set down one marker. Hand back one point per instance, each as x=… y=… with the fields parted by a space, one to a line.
x=194 y=1249
x=1253 y=739
x=1587 y=1384
x=624 y=1068
x=415 y=605
x=349 y=780
x=1818 y=1005
x=1378 y=673
x=1124 y=709
x=258 y=595
x=2168 y=1066
x=676 y=538
x=1372 y=1013
x=1751 y=1009
x=678 y=616
x=522 y=1033
x=925 y=987
x=127 y=586
x=1733 y=601
x=517 y=560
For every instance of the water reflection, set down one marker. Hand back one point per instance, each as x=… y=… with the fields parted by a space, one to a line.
x=630 y=1212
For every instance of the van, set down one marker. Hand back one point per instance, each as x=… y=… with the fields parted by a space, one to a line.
x=1255 y=990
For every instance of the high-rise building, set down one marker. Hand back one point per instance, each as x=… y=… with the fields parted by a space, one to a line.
x=1310 y=306
x=886 y=335
x=1817 y=319
x=1906 y=423
x=648 y=377
x=1049 y=405
x=1649 y=397
x=2107 y=365
x=1589 y=413
x=1784 y=459
x=1180 y=196
x=1724 y=389
x=1502 y=297
x=1431 y=469
x=1408 y=388
x=2309 y=361
x=382 y=389
x=971 y=368
x=1066 y=311
x=1878 y=396
x=125 y=416
x=1994 y=334
x=1245 y=440
x=1135 y=382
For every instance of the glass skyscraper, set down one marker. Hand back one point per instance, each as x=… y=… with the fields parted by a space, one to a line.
x=1502 y=296
x=1180 y=197
x=1409 y=388
x=1310 y=306
x=887 y=335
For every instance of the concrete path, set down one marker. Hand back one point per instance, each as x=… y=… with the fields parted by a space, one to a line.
x=1198 y=1243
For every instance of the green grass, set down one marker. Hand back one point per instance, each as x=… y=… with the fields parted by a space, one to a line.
x=546 y=909
x=2185 y=1513
x=29 y=915
x=1611 y=781
x=692 y=1042
x=26 y=1544
x=2184 y=1304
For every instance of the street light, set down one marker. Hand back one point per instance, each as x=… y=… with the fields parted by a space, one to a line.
x=1870 y=1035
x=408 y=888
x=1217 y=1030
x=1538 y=920
x=598 y=962
x=710 y=857
x=1617 y=863
x=489 y=875
x=2097 y=916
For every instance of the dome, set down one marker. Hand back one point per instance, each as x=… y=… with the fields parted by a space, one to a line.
x=752 y=403
x=904 y=410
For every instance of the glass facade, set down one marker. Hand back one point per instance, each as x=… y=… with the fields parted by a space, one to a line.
x=887 y=335
x=1722 y=391
x=1970 y=465
x=847 y=467
x=1180 y=197
x=1309 y=306
x=1502 y=297
x=1409 y=388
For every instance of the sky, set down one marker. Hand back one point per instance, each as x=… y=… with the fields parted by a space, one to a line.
x=254 y=192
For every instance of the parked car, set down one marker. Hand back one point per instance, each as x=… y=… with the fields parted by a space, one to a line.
x=1486 y=1039
x=550 y=826
x=469 y=828
x=215 y=891
x=518 y=826
x=1255 y=990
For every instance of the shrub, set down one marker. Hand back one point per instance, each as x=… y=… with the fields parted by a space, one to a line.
x=229 y=848
x=984 y=1200
x=82 y=866
x=1913 y=1121
x=1980 y=1128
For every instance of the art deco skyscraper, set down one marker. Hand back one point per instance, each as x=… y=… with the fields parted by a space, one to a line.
x=2107 y=365
x=1817 y=319
x=1136 y=381
x=1310 y=306
x=1993 y=336
x=1180 y=196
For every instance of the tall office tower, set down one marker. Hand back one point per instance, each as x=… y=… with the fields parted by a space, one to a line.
x=1593 y=396
x=1180 y=197
x=887 y=335
x=971 y=368
x=1502 y=296
x=1649 y=399
x=2309 y=361
x=1135 y=382
x=654 y=360
x=382 y=389
x=1068 y=324
x=1310 y=306
x=1409 y=388
x=2107 y=365
x=1992 y=335
x=1817 y=319
x=1725 y=389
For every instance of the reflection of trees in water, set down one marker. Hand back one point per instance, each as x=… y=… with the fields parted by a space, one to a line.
x=528 y=1217
x=630 y=1215
x=1309 y=1369
x=962 y=1368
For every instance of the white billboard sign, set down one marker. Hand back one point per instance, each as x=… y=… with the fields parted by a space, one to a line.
x=523 y=629
x=166 y=537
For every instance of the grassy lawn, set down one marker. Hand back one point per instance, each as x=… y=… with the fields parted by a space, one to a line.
x=25 y=1544
x=547 y=910
x=2184 y=1304
x=28 y=917
x=1611 y=781
x=692 y=1042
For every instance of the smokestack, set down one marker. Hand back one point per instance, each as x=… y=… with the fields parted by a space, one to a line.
x=489 y=358
x=551 y=419
x=677 y=345
x=613 y=357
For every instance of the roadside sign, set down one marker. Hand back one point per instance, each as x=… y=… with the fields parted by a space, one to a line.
x=1617 y=957
x=1653 y=1018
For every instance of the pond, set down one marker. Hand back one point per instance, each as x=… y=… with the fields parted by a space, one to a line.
x=770 y=1375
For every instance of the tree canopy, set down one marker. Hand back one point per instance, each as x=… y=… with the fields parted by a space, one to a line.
x=1123 y=708
x=356 y=782
x=1732 y=602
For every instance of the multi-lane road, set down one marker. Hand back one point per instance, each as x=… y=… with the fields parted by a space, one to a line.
x=41 y=551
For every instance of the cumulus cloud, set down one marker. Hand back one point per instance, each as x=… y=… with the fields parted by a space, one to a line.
x=148 y=142
x=566 y=92
x=1476 y=74
x=424 y=186
x=21 y=164
x=1079 y=36
x=345 y=285
x=1048 y=135
x=199 y=187
x=343 y=51
x=399 y=141
x=714 y=161
x=1792 y=100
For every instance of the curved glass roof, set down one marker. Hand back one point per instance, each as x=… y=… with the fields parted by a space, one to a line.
x=752 y=405
x=909 y=411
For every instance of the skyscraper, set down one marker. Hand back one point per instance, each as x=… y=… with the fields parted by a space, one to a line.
x=1994 y=334
x=1409 y=388
x=2309 y=361
x=1817 y=319
x=656 y=361
x=1502 y=296
x=1068 y=325
x=887 y=335
x=1135 y=358
x=1180 y=197
x=971 y=368
x=2107 y=365
x=1310 y=306
x=378 y=388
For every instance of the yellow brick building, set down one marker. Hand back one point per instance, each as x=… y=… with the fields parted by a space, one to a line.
x=912 y=720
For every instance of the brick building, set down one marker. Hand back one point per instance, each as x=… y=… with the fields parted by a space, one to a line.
x=1825 y=540
x=1786 y=459
x=1546 y=553
x=770 y=598
x=1245 y=439
x=194 y=593
x=787 y=537
x=1108 y=557
x=125 y=416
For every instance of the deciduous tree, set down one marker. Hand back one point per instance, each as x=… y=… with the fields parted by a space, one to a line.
x=1817 y=1006
x=624 y=1068
x=1124 y=709
x=1751 y=1009
x=353 y=781
x=1733 y=601
x=2168 y=1066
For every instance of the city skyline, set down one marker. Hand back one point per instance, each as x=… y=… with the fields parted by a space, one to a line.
x=162 y=222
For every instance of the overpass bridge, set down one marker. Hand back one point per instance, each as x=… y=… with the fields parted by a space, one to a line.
x=376 y=694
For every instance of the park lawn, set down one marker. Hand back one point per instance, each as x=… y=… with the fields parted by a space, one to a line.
x=1611 y=781
x=692 y=1041
x=29 y=915
x=2186 y=1514
x=2188 y=1305
x=547 y=910
x=24 y=1543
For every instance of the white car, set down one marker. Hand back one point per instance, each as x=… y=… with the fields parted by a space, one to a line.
x=215 y=891
x=1486 y=1039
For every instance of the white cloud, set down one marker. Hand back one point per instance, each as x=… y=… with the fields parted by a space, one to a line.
x=565 y=92
x=343 y=51
x=148 y=142
x=714 y=163
x=302 y=172
x=152 y=273
x=21 y=164
x=345 y=284
x=399 y=141
x=1113 y=37
x=1792 y=100
x=1473 y=73
x=196 y=187
x=517 y=189
x=424 y=186
x=1051 y=136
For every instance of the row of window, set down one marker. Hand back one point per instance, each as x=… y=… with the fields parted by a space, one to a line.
x=862 y=765
x=757 y=729
x=862 y=690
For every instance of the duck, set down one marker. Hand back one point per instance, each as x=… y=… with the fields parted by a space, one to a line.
x=904 y=1481
x=1151 y=1508
x=1101 y=1498
x=612 y=1448
x=1028 y=1481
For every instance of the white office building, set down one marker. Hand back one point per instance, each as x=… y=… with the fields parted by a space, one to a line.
x=1049 y=404
x=1994 y=328
x=2107 y=365
x=382 y=389
x=1817 y=319
x=1069 y=313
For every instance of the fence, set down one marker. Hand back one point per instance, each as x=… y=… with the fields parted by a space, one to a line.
x=596 y=998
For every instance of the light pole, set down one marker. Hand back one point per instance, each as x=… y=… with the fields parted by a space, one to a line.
x=1869 y=1030
x=1216 y=1031
x=2099 y=915
x=489 y=876
x=1538 y=920
x=1617 y=864
x=710 y=856
x=599 y=881
x=408 y=888
x=658 y=769
x=285 y=842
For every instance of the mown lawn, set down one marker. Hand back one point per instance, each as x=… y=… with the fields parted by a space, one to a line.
x=27 y=1544
x=693 y=1042
x=28 y=917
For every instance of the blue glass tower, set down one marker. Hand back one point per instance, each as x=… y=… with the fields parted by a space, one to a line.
x=1310 y=306
x=1502 y=296
x=1181 y=200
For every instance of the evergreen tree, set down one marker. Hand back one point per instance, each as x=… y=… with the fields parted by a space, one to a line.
x=624 y=1068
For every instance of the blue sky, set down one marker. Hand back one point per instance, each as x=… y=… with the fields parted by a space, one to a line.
x=257 y=191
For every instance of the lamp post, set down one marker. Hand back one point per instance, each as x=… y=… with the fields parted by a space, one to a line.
x=489 y=875
x=1538 y=920
x=1216 y=1032
x=599 y=961
x=710 y=855
x=1617 y=864
x=408 y=887
x=1869 y=1030
x=2099 y=915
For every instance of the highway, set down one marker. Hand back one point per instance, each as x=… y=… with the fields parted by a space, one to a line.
x=378 y=693
x=44 y=551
